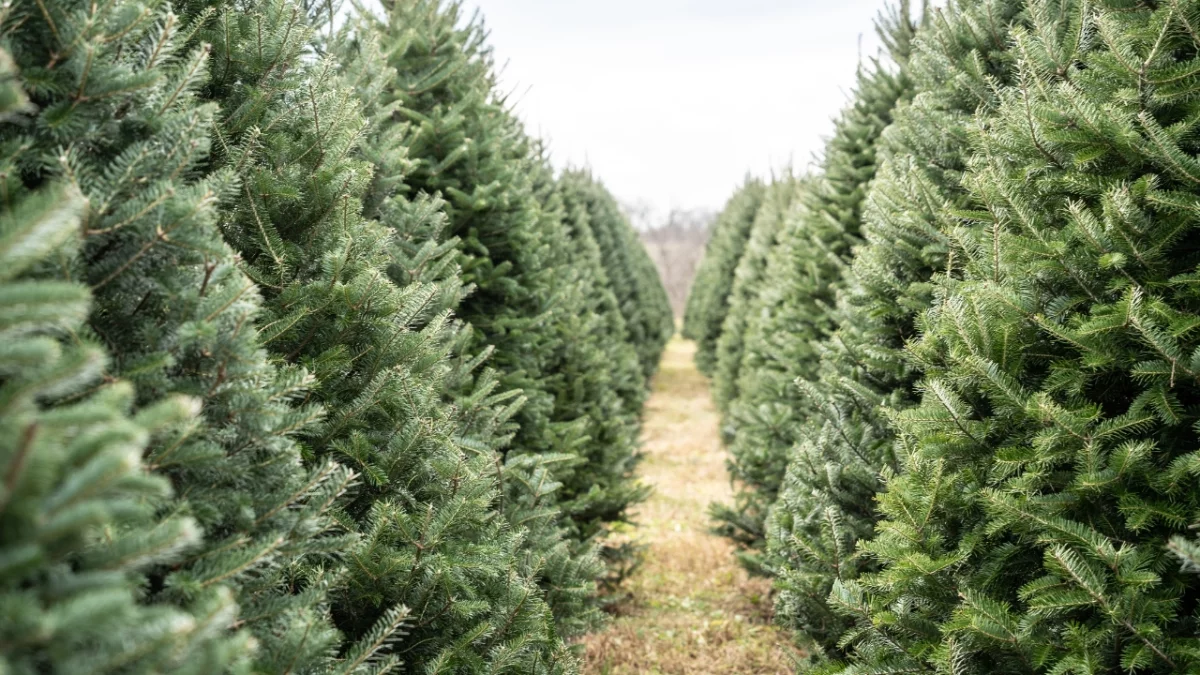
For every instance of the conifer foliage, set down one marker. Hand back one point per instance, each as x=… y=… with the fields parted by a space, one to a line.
x=113 y=90
x=1049 y=550
x=72 y=455
x=991 y=437
x=748 y=282
x=708 y=301
x=430 y=542
x=824 y=511
x=77 y=525
x=789 y=310
x=531 y=484
x=312 y=363
x=629 y=271
x=758 y=477
x=285 y=390
x=529 y=304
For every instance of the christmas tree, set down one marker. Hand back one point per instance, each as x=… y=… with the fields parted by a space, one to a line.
x=631 y=273
x=421 y=252
x=827 y=501
x=78 y=529
x=527 y=300
x=708 y=301
x=579 y=196
x=789 y=307
x=437 y=579
x=116 y=115
x=748 y=284
x=1049 y=451
x=600 y=377
x=757 y=481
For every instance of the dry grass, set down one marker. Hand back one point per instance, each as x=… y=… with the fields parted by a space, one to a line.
x=692 y=610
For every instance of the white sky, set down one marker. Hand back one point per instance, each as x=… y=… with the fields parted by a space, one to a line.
x=671 y=102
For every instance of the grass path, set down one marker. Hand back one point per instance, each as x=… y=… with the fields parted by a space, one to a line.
x=692 y=610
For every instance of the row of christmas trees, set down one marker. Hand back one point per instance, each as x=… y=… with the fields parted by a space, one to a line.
x=960 y=363
x=309 y=362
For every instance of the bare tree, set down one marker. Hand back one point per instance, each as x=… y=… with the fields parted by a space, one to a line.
x=676 y=245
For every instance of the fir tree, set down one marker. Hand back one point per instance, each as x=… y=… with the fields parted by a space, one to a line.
x=1051 y=453
x=464 y=147
x=422 y=253
x=591 y=216
x=827 y=504
x=791 y=310
x=600 y=377
x=749 y=285
x=432 y=540
x=514 y=250
x=78 y=528
x=117 y=116
x=708 y=301
x=823 y=513
x=630 y=273
x=757 y=479
x=653 y=304
x=575 y=194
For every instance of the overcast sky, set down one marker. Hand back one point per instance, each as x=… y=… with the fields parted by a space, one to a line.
x=671 y=102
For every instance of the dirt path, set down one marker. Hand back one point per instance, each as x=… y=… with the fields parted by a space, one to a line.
x=693 y=610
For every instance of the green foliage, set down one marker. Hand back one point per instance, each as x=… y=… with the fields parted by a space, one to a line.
x=846 y=446
x=464 y=146
x=758 y=478
x=759 y=437
x=749 y=285
x=630 y=273
x=117 y=116
x=438 y=579
x=577 y=196
x=528 y=302
x=313 y=365
x=420 y=252
x=77 y=524
x=1050 y=454
x=779 y=402
x=601 y=377
x=708 y=301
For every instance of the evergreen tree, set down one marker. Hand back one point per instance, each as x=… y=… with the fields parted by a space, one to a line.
x=749 y=285
x=757 y=479
x=792 y=308
x=421 y=253
x=432 y=540
x=708 y=301
x=630 y=273
x=1052 y=453
x=576 y=194
x=527 y=300
x=77 y=525
x=601 y=377
x=114 y=85
x=653 y=303
x=826 y=503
